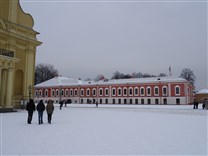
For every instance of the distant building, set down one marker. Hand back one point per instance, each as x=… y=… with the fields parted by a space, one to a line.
x=201 y=95
x=17 y=54
x=156 y=90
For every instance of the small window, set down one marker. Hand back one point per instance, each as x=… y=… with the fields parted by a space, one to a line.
x=125 y=101
x=148 y=101
x=156 y=91
x=165 y=91
x=142 y=91
x=106 y=92
x=113 y=91
x=119 y=92
x=114 y=101
x=75 y=92
x=106 y=101
x=124 y=91
x=177 y=90
x=142 y=101
x=156 y=101
x=94 y=92
x=101 y=101
x=101 y=92
x=130 y=91
x=82 y=92
x=57 y=93
x=178 y=101
x=136 y=91
x=46 y=93
x=119 y=101
x=66 y=92
x=88 y=92
x=136 y=101
x=71 y=92
x=148 y=91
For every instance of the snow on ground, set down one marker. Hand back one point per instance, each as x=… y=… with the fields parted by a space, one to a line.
x=108 y=130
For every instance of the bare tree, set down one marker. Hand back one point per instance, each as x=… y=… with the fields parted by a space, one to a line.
x=162 y=75
x=99 y=77
x=188 y=74
x=44 y=72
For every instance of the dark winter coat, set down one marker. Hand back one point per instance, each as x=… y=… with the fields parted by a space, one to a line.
x=40 y=106
x=50 y=107
x=30 y=107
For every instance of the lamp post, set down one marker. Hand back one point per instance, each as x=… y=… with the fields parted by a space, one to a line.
x=30 y=91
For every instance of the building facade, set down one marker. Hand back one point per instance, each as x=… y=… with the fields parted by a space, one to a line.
x=156 y=90
x=17 y=54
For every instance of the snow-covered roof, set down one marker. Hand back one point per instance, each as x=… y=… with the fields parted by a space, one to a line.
x=59 y=81
x=64 y=81
x=203 y=91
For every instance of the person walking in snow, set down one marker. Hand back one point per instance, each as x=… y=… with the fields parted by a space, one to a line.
x=30 y=107
x=49 y=109
x=40 y=109
x=195 y=104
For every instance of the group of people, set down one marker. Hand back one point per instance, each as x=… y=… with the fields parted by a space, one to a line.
x=204 y=104
x=30 y=107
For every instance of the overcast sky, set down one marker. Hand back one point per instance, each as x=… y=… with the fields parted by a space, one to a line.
x=84 y=39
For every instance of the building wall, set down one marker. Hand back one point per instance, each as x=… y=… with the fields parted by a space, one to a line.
x=167 y=93
x=18 y=37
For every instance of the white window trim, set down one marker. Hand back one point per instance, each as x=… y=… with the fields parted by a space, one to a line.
x=157 y=89
x=141 y=91
x=88 y=91
x=166 y=91
x=75 y=92
x=131 y=91
x=46 y=93
x=112 y=91
x=148 y=88
x=177 y=86
x=82 y=92
x=106 y=89
x=100 y=89
x=66 y=91
x=94 y=90
x=71 y=93
x=118 y=91
x=135 y=91
x=124 y=92
x=57 y=91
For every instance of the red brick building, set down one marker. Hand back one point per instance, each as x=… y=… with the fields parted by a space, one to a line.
x=155 y=90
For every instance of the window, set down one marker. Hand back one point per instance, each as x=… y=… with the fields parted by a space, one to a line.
x=94 y=92
x=106 y=91
x=177 y=90
x=130 y=101
x=119 y=92
x=113 y=91
x=164 y=89
x=178 y=101
x=125 y=101
x=101 y=101
x=119 y=101
x=71 y=92
x=114 y=101
x=148 y=91
x=53 y=93
x=136 y=101
x=88 y=92
x=57 y=93
x=136 y=91
x=142 y=101
x=40 y=92
x=66 y=92
x=81 y=100
x=148 y=101
x=130 y=91
x=124 y=91
x=142 y=91
x=101 y=92
x=36 y=93
x=82 y=92
x=106 y=101
x=156 y=90
x=62 y=92
x=156 y=101
x=46 y=93
x=75 y=92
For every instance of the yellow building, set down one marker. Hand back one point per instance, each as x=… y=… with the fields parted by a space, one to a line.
x=17 y=55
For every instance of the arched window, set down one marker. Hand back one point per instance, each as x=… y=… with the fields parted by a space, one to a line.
x=142 y=91
x=148 y=91
x=40 y=93
x=82 y=92
x=88 y=92
x=130 y=91
x=136 y=91
x=119 y=91
x=75 y=92
x=125 y=91
x=46 y=93
x=71 y=92
x=113 y=91
x=101 y=92
x=106 y=91
x=156 y=90
x=94 y=91
x=57 y=93
x=66 y=92
x=164 y=90
x=53 y=92
x=36 y=93
x=177 y=90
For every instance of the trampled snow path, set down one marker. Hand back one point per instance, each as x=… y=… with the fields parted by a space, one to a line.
x=108 y=130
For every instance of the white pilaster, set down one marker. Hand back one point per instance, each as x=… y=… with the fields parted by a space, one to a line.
x=3 y=87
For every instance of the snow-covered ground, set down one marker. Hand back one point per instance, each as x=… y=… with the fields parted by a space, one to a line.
x=107 y=130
